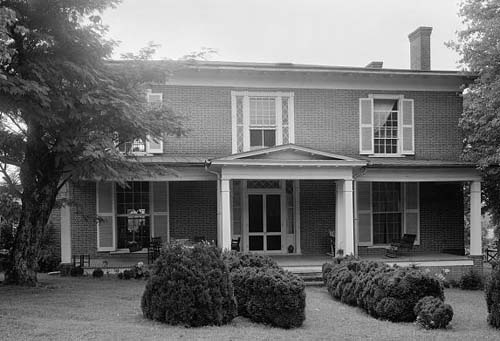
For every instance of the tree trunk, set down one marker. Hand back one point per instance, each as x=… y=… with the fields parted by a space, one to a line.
x=40 y=180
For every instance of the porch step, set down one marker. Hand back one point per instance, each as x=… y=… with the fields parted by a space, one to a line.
x=311 y=278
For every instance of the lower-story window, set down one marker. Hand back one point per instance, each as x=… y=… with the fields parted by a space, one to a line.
x=387 y=212
x=132 y=215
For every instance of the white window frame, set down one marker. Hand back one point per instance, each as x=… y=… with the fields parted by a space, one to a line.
x=399 y=98
x=277 y=95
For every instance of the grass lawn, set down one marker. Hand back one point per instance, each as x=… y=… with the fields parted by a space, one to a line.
x=109 y=309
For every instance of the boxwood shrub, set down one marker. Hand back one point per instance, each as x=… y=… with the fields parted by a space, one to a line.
x=433 y=313
x=265 y=292
x=191 y=287
x=384 y=292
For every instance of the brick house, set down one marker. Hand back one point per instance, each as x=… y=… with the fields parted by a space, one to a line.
x=283 y=155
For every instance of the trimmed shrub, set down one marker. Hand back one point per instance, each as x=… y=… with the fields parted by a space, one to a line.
x=433 y=313
x=97 y=273
x=384 y=292
x=265 y=292
x=492 y=292
x=237 y=260
x=471 y=281
x=191 y=287
x=271 y=296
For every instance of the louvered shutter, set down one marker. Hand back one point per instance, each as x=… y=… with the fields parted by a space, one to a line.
x=160 y=210
x=366 y=126
x=411 y=210
x=154 y=145
x=364 y=207
x=106 y=217
x=407 y=127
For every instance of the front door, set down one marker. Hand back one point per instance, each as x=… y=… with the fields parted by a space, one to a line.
x=264 y=222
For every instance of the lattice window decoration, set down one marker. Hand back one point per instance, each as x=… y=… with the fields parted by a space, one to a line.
x=239 y=123
x=264 y=184
x=285 y=120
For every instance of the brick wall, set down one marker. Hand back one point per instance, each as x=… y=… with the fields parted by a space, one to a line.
x=317 y=215
x=193 y=209
x=83 y=218
x=324 y=119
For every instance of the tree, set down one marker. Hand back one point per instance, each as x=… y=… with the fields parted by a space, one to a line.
x=478 y=45
x=65 y=107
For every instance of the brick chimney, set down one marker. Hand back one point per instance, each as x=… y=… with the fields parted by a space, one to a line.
x=420 y=48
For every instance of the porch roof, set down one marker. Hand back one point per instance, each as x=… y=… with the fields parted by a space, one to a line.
x=288 y=155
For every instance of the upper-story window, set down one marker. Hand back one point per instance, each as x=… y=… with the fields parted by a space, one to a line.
x=386 y=125
x=261 y=119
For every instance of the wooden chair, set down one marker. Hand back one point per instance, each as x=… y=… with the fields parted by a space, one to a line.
x=81 y=260
x=405 y=243
x=492 y=253
x=154 y=249
x=331 y=239
x=235 y=244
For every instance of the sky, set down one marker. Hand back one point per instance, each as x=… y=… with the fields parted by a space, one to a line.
x=322 y=32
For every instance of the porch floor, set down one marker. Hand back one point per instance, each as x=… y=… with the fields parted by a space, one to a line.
x=297 y=263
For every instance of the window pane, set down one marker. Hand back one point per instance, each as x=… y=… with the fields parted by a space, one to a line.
x=269 y=138
x=256 y=243
x=262 y=111
x=273 y=213
x=273 y=243
x=386 y=126
x=255 y=214
x=387 y=212
x=255 y=138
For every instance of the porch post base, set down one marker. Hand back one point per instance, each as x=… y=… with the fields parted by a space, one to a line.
x=478 y=264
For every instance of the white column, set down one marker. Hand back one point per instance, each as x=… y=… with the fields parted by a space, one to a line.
x=219 y=212
x=65 y=229
x=348 y=218
x=475 y=219
x=339 y=216
x=225 y=228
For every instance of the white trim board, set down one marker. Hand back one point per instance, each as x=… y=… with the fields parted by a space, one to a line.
x=420 y=174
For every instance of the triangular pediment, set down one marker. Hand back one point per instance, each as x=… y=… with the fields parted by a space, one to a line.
x=288 y=152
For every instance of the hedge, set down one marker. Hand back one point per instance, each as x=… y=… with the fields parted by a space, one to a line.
x=384 y=292
x=492 y=291
x=433 y=313
x=191 y=287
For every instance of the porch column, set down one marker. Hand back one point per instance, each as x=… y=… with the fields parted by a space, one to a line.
x=476 y=248
x=348 y=218
x=344 y=217
x=65 y=228
x=225 y=228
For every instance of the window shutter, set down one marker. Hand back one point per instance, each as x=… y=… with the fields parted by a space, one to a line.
x=154 y=145
x=364 y=207
x=407 y=130
x=411 y=210
x=106 y=217
x=237 y=122
x=160 y=210
x=366 y=126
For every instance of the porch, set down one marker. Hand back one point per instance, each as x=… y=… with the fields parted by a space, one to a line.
x=306 y=264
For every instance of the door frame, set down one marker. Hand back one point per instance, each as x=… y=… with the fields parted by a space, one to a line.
x=279 y=191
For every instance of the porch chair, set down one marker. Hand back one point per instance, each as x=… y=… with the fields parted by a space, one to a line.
x=492 y=253
x=81 y=260
x=235 y=244
x=405 y=243
x=154 y=249
x=332 y=243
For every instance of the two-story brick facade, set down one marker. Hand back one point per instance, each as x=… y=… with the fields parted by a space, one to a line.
x=282 y=156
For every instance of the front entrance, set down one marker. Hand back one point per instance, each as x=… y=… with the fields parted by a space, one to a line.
x=264 y=222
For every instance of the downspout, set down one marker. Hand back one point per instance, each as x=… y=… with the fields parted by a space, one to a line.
x=219 y=199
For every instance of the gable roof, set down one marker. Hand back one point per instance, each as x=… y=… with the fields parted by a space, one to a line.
x=289 y=154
